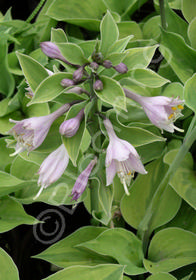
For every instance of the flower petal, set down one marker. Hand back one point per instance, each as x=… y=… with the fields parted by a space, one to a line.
x=110 y=173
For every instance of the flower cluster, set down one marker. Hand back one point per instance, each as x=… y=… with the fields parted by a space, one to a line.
x=121 y=157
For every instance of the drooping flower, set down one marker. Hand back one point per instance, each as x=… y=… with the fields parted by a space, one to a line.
x=121 y=158
x=82 y=180
x=162 y=111
x=69 y=127
x=52 y=168
x=30 y=133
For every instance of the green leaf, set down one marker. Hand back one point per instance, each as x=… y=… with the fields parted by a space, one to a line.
x=121 y=7
x=9 y=183
x=65 y=253
x=58 y=36
x=56 y=194
x=143 y=190
x=36 y=110
x=7 y=83
x=72 y=53
x=174 y=90
x=13 y=64
x=189 y=9
x=161 y=276
x=5 y=124
x=183 y=182
x=138 y=58
x=170 y=249
x=151 y=28
x=13 y=214
x=127 y=28
x=50 y=88
x=185 y=218
x=7 y=267
x=87 y=47
x=5 y=158
x=135 y=135
x=24 y=170
x=189 y=93
x=192 y=32
x=86 y=14
x=151 y=151
x=120 y=45
x=175 y=23
x=99 y=272
x=33 y=71
x=147 y=77
x=127 y=249
x=178 y=55
x=109 y=33
x=6 y=106
x=73 y=144
x=112 y=93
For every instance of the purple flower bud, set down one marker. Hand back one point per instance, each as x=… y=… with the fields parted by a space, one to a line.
x=98 y=85
x=78 y=74
x=30 y=133
x=82 y=180
x=121 y=68
x=94 y=65
x=77 y=90
x=69 y=127
x=67 y=83
x=51 y=50
x=162 y=111
x=52 y=168
x=107 y=64
x=121 y=158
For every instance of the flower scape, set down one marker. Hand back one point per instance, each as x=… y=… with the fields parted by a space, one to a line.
x=94 y=91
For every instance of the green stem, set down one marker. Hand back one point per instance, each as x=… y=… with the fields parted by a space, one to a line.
x=94 y=199
x=92 y=127
x=41 y=3
x=192 y=124
x=144 y=230
x=162 y=13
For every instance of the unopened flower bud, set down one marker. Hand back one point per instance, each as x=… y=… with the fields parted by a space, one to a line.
x=67 y=83
x=82 y=181
x=94 y=65
x=98 y=57
x=77 y=90
x=78 y=74
x=107 y=64
x=69 y=127
x=51 y=50
x=98 y=85
x=121 y=68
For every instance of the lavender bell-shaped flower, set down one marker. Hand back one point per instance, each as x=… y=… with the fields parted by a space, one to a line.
x=162 y=111
x=69 y=127
x=121 y=158
x=30 y=133
x=82 y=180
x=52 y=168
